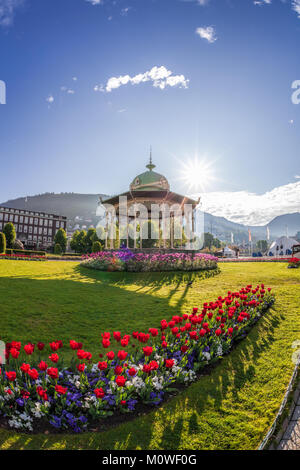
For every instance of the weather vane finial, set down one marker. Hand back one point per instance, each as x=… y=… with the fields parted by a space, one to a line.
x=150 y=165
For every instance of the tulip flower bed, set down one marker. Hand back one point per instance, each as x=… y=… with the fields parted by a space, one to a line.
x=20 y=256
x=38 y=389
x=125 y=260
x=294 y=263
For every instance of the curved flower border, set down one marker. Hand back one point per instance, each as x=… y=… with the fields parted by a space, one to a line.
x=126 y=260
x=138 y=367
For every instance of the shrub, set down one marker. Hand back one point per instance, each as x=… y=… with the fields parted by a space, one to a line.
x=96 y=247
x=57 y=249
x=10 y=234
x=2 y=242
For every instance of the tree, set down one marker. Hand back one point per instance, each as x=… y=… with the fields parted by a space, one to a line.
x=208 y=240
x=61 y=239
x=57 y=249
x=2 y=243
x=91 y=237
x=81 y=242
x=10 y=234
x=74 y=241
x=262 y=245
x=96 y=247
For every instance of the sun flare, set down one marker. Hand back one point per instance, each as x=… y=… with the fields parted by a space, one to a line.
x=197 y=173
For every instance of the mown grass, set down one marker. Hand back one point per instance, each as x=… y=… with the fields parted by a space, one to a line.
x=231 y=408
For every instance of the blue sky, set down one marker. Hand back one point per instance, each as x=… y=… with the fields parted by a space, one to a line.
x=206 y=78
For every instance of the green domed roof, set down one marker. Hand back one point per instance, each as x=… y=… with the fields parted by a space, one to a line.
x=149 y=180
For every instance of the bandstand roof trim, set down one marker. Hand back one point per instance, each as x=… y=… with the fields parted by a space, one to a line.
x=159 y=196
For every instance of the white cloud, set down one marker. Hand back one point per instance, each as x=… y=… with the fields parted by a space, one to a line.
x=95 y=2
x=199 y=2
x=50 y=99
x=296 y=6
x=297 y=177
x=207 y=33
x=74 y=79
x=253 y=209
x=160 y=77
x=125 y=11
x=7 y=11
x=262 y=2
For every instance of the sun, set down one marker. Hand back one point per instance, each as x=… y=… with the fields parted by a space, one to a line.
x=197 y=173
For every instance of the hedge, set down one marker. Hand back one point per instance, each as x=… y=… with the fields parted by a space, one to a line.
x=10 y=251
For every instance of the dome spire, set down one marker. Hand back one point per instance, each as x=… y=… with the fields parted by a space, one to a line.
x=150 y=165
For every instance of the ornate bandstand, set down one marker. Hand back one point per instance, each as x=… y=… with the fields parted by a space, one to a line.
x=149 y=199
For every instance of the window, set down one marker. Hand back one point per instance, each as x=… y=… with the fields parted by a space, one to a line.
x=29 y=237
x=49 y=231
x=57 y=224
x=31 y=220
x=20 y=229
x=11 y=218
x=49 y=239
x=1 y=225
x=62 y=224
x=36 y=221
x=46 y=223
x=1 y=216
x=41 y=221
x=45 y=231
x=26 y=220
x=16 y=218
x=5 y=217
x=25 y=228
x=35 y=230
x=40 y=230
x=50 y=223
x=21 y=218
x=30 y=229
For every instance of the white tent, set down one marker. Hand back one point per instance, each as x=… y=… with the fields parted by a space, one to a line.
x=228 y=252
x=282 y=246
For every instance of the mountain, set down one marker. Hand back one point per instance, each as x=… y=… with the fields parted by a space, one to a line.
x=286 y=222
x=80 y=209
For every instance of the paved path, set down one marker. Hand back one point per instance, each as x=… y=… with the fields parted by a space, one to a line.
x=291 y=438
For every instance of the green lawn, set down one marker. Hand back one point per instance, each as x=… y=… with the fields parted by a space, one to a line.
x=231 y=408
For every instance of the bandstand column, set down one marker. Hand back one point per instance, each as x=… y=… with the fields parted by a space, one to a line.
x=106 y=228
x=111 y=232
x=159 y=238
x=134 y=243
x=172 y=231
x=193 y=223
x=164 y=230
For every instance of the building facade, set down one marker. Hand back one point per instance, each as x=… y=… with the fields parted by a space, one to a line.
x=36 y=230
